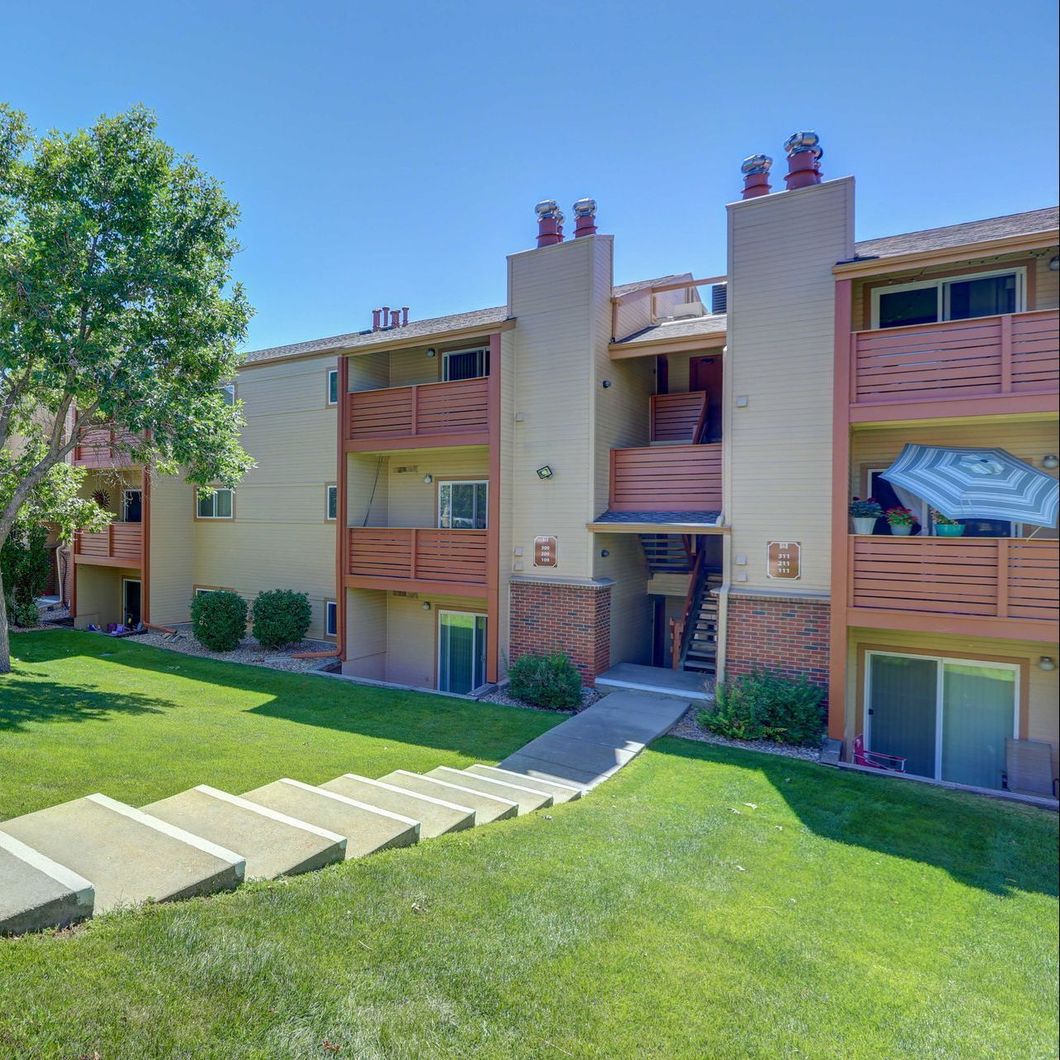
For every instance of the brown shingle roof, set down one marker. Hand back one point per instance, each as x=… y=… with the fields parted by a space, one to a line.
x=1013 y=224
x=640 y=285
x=712 y=324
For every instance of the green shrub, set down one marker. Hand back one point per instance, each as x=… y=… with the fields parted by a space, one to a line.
x=766 y=706
x=546 y=681
x=25 y=565
x=22 y=611
x=281 y=617
x=219 y=620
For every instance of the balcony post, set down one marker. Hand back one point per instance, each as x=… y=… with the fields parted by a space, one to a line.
x=1002 y=577
x=342 y=533
x=414 y=396
x=413 y=545
x=493 y=512
x=1006 y=354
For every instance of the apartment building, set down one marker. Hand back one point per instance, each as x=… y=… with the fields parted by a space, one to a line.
x=657 y=473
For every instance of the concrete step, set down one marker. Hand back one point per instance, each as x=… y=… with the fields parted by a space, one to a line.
x=487 y=807
x=272 y=843
x=559 y=792
x=128 y=855
x=366 y=828
x=436 y=816
x=38 y=893
x=527 y=798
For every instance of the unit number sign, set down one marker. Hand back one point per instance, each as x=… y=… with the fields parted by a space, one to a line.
x=544 y=551
x=783 y=559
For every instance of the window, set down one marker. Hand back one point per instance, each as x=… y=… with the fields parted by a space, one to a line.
x=331 y=502
x=465 y=364
x=215 y=505
x=954 y=298
x=462 y=505
x=333 y=386
x=228 y=392
x=331 y=618
x=461 y=651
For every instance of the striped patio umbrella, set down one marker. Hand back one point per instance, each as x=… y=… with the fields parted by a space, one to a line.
x=976 y=484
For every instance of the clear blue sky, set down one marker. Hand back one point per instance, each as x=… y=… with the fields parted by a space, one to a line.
x=392 y=152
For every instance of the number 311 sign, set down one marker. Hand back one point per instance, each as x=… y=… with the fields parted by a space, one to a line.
x=783 y=559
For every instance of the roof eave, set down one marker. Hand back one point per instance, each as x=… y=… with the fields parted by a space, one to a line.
x=620 y=351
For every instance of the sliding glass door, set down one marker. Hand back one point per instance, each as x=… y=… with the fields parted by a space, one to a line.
x=947 y=717
x=461 y=651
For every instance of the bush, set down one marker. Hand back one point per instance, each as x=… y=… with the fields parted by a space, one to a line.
x=281 y=617
x=765 y=706
x=25 y=565
x=219 y=620
x=549 y=681
x=22 y=612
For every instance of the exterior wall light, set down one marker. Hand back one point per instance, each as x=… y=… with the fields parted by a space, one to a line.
x=544 y=472
x=1047 y=663
x=604 y=553
x=425 y=606
x=606 y=384
x=428 y=479
x=1050 y=461
x=431 y=351
x=1054 y=263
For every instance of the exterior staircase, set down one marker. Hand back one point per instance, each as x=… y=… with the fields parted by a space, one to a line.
x=667 y=553
x=695 y=636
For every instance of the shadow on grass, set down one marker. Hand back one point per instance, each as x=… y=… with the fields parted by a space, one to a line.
x=483 y=730
x=988 y=844
x=23 y=701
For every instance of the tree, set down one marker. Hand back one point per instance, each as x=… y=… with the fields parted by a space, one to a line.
x=116 y=306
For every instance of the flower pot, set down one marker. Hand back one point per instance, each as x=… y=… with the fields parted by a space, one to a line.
x=945 y=530
x=901 y=529
x=864 y=525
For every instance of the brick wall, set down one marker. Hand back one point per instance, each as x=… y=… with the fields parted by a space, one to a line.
x=789 y=636
x=573 y=619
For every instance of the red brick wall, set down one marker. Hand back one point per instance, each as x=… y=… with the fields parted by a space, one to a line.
x=786 y=635
x=573 y=619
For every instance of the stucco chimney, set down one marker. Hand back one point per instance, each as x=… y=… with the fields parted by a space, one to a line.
x=549 y=223
x=585 y=218
x=755 y=172
x=804 y=160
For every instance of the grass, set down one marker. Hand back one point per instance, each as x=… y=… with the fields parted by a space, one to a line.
x=705 y=902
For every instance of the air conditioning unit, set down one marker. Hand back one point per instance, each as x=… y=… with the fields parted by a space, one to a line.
x=719 y=298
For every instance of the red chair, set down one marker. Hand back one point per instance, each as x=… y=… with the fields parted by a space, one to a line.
x=876 y=760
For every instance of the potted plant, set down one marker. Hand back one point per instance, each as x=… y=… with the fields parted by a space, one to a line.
x=864 y=515
x=945 y=526
x=900 y=521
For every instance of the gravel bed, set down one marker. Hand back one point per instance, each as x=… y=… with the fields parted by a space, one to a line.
x=249 y=651
x=688 y=728
x=501 y=696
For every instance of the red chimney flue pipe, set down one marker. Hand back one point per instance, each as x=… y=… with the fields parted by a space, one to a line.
x=804 y=160
x=549 y=223
x=376 y=313
x=404 y=315
x=585 y=218
x=755 y=172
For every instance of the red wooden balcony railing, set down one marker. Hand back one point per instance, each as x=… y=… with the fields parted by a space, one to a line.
x=378 y=556
x=684 y=478
x=454 y=413
x=104 y=446
x=120 y=545
x=678 y=417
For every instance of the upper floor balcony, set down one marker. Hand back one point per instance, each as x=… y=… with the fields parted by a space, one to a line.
x=411 y=417
x=983 y=365
x=120 y=545
x=995 y=587
x=417 y=560
x=666 y=478
x=105 y=446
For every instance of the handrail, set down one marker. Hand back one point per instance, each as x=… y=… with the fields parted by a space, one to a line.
x=680 y=627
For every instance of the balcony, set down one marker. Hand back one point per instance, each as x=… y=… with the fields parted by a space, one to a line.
x=671 y=478
x=997 y=587
x=103 y=447
x=678 y=417
x=120 y=545
x=421 y=560
x=998 y=364
x=409 y=417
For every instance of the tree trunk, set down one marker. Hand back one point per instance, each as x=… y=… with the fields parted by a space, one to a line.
x=5 y=641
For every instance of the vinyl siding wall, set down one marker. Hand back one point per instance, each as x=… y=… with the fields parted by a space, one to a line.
x=171 y=553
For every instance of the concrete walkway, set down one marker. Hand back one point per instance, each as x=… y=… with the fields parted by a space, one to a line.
x=595 y=744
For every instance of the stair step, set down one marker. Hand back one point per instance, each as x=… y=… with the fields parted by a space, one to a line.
x=272 y=843
x=38 y=893
x=559 y=792
x=128 y=855
x=527 y=798
x=436 y=816
x=487 y=807
x=366 y=828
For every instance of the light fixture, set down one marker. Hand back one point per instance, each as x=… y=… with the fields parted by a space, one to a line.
x=544 y=471
x=604 y=553
x=431 y=351
x=428 y=479
x=1054 y=263
x=1050 y=461
x=426 y=605
x=1046 y=663
x=606 y=384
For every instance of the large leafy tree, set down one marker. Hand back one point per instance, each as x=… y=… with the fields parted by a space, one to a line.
x=117 y=306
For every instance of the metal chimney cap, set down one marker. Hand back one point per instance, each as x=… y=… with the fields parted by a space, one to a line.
x=756 y=164
x=584 y=208
x=798 y=142
x=546 y=209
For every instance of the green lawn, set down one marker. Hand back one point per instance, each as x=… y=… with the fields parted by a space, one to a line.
x=705 y=902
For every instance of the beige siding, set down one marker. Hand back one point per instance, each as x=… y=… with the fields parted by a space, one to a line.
x=171 y=555
x=412 y=367
x=631 y=609
x=367 y=482
x=780 y=350
x=99 y=599
x=369 y=371
x=365 y=634
x=413 y=502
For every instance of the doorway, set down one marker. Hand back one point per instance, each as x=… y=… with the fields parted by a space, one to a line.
x=948 y=718
x=132 y=506
x=130 y=601
x=461 y=651
x=704 y=373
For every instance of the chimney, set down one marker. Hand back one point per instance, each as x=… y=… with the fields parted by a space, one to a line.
x=386 y=317
x=755 y=172
x=804 y=160
x=395 y=318
x=585 y=214
x=404 y=315
x=376 y=313
x=549 y=223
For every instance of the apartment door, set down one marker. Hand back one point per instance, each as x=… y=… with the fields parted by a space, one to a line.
x=948 y=717
x=461 y=651
x=132 y=506
x=704 y=373
x=130 y=601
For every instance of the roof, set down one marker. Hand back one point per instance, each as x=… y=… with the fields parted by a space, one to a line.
x=1014 y=224
x=661 y=517
x=643 y=285
x=685 y=328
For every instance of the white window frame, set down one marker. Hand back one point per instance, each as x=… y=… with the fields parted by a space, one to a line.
x=442 y=483
x=940 y=661
x=1020 y=272
x=333 y=373
x=483 y=350
x=230 y=390
x=331 y=617
x=474 y=648
x=213 y=495
x=329 y=488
